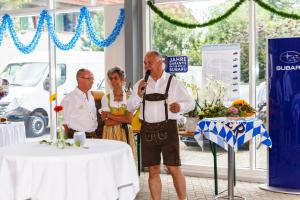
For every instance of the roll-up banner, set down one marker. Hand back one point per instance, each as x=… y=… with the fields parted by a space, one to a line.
x=284 y=112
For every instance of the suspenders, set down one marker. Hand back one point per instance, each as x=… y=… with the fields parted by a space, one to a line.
x=158 y=97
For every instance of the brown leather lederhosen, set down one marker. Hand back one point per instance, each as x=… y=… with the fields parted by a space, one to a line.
x=160 y=137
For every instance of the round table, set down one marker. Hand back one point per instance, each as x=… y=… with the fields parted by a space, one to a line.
x=106 y=170
x=12 y=133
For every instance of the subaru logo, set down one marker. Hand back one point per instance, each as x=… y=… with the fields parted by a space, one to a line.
x=290 y=57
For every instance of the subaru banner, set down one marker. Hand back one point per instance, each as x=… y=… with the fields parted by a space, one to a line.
x=284 y=112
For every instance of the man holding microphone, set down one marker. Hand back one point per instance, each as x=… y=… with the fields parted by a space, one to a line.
x=162 y=98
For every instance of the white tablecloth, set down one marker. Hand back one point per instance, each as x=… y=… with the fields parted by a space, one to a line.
x=105 y=171
x=12 y=133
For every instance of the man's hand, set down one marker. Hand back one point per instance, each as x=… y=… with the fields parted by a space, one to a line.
x=174 y=107
x=142 y=88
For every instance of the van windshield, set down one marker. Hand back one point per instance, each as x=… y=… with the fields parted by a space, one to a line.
x=24 y=74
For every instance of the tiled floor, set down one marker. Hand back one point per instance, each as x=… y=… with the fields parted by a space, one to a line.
x=203 y=189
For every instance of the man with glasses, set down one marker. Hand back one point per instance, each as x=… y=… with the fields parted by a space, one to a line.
x=79 y=110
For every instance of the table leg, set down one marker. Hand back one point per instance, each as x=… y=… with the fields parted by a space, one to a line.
x=230 y=173
x=213 y=147
x=231 y=177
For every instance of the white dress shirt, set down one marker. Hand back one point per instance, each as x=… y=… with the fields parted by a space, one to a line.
x=79 y=112
x=155 y=110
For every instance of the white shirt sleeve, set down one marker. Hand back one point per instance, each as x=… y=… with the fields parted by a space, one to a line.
x=104 y=105
x=134 y=100
x=185 y=100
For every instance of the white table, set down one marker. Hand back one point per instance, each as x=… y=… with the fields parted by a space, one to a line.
x=43 y=172
x=12 y=133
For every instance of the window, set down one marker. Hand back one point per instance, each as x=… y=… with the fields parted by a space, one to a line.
x=269 y=25
x=61 y=74
x=171 y=40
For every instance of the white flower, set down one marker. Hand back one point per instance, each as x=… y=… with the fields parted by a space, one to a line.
x=213 y=93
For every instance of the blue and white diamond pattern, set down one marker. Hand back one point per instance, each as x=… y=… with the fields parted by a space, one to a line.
x=225 y=131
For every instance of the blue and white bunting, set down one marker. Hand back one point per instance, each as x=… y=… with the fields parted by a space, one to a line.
x=84 y=16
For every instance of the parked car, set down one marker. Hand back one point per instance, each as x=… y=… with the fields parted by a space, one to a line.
x=28 y=75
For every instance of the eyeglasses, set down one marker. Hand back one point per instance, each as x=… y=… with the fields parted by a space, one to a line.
x=89 y=78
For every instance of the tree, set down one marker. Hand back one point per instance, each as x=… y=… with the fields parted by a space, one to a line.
x=268 y=25
x=13 y=4
x=172 y=40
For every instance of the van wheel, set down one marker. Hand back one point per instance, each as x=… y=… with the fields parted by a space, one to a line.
x=36 y=125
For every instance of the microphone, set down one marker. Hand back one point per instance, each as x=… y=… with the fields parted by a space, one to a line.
x=147 y=74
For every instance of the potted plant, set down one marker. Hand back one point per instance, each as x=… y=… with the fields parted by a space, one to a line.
x=212 y=99
x=192 y=119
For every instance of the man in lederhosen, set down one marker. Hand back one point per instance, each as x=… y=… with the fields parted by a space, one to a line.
x=162 y=98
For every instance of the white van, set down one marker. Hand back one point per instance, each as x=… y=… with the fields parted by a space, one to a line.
x=28 y=76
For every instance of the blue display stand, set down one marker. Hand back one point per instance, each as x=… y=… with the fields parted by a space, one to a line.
x=284 y=114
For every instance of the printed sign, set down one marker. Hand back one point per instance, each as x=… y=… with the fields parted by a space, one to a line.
x=176 y=64
x=222 y=62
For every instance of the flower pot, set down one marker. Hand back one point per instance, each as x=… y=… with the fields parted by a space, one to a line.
x=191 y=124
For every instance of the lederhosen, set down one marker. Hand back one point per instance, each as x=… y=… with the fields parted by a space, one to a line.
x=160 y=137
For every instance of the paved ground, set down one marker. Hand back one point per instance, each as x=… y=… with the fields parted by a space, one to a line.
x=203 y=189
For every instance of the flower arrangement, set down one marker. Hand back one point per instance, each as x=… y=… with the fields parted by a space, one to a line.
x=240 y=108
x=211 y=102
x=60 y=142
x=58 y=109
x=60 y=135
x=213 y=97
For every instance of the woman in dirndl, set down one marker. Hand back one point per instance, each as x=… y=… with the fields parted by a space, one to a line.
x=114 y=111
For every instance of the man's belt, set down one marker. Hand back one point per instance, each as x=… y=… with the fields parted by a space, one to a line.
x=87 y=134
